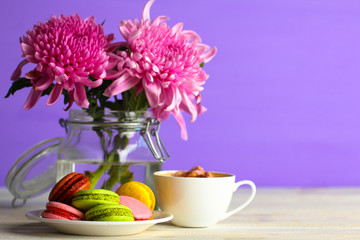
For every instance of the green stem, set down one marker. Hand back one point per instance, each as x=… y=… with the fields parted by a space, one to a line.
x=96 y=175
x=118 y=173
x=114 y=173
x=110 y=182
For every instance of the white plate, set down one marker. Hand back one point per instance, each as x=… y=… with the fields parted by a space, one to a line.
x=99 y=228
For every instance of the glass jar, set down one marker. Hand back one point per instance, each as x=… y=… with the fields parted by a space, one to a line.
x=111 y=148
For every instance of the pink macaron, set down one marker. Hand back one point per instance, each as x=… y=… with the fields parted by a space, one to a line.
x=61 y=211
x=138 y=209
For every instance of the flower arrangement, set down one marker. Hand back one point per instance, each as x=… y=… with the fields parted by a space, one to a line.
x=156 y=67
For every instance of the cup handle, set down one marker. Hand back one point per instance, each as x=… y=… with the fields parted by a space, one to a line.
x=252 y=195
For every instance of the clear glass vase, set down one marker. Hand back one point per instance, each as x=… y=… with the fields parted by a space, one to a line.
x=112 y=148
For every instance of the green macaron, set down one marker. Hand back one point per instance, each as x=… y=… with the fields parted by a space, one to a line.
x=113 y=212
x=90 y=198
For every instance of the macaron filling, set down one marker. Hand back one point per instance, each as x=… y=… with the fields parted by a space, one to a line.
x=109 y=213
x=57 y=210
x=103 y=197
x=66 y=188
x=86 y=199
x=62 y=213
x=72 y=189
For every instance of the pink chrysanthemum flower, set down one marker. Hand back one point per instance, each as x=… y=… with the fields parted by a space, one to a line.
x=165 y=62
x=67 y=50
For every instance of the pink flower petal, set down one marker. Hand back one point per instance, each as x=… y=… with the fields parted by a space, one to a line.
x=92 y=84
x=33 y=98
x=113 y=74
x=69 y=84
x=99 y=73
x=91 y=19
x=178 y=27
x=27 y=49
x=31 y=58
x=152 y=91
x=17 y=73
x=130 y=63
x=54 y=94
x=188 y=106
x=124 y=30
x=201 y=109
x=169 y=99
x=149 y=77
x=80 y=95
x=66 y=49
x=159 y=19
x=59 y=70
x=111 y=65
x=180 y=120
x=134 y=35
x=201 y=48
x=71 y=99
x=123 y=83
x=174 y=98
x=42 y=83
x=191 y=36
x=165 y=62
x=63 y=78
x=139 y=88
x=198 y=98
x=209 y=55
x=146 y=10
x=114 y=46
x=136 y=56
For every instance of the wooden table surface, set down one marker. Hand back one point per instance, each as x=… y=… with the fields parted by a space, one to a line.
x=275 y=213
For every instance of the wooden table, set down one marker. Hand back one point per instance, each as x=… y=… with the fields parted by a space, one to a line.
x=275 y=213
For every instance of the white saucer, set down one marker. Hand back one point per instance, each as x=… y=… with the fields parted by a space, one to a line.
x=93 y=228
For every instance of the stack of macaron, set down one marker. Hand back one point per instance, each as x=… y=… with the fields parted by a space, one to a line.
x=72 y=199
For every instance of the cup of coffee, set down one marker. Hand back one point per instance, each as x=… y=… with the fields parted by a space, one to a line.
x=198 y=201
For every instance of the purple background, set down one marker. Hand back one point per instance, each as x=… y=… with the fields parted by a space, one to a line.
x=283 y=94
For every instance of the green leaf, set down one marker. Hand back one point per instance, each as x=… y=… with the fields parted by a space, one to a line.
x=117 y=142
x=142 y=103
x=17 y=85
x=113 y=105
x=202 y=64
x=48 y=90
x=138 y=103
x=124 y=142
x=66 y=96
x=126 y=174
x=125 y=48
x=118 y=173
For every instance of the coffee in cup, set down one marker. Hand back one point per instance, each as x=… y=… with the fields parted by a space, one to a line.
x=198 y=201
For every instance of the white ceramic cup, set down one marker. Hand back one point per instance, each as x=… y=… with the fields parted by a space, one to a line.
x=198 y=202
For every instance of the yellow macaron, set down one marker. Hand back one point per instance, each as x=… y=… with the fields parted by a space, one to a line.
x=138 y=190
